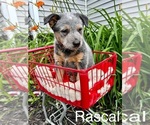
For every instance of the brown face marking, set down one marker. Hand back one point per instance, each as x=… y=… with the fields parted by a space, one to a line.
x=65 y=27
x=64 y=31
x=59 y=38
x=60 y=35
x=79 y=28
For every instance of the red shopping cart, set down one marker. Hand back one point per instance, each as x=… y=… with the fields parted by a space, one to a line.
x=13 y=66
x=93 y=84
x=130 y=70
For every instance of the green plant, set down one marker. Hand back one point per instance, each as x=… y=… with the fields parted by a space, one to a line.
x=136 y=38
x=108 y=39
x=18 y=40
x=42 y=39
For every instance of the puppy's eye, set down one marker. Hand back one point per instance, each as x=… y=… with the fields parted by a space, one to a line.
x=80 y=30
x=65 y=31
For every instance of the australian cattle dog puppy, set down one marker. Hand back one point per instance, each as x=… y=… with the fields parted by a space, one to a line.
x=70 y=48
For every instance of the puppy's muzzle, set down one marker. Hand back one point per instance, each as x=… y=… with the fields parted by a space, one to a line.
x=76 y=43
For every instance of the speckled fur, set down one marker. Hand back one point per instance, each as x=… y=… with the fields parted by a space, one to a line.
x=68 y=28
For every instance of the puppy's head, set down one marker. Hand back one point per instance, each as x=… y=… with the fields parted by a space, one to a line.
x=68 y=29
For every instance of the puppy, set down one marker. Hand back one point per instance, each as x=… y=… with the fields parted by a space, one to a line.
x=70 y=48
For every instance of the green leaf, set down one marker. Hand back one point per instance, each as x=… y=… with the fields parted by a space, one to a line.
x=139 y=30
x=110 y=38
x=131 y=38
x=99 y=34
x=115 y=31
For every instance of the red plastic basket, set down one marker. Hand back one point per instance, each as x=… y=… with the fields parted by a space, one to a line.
x=130 y=70
x=13 y=66
x=93 y=84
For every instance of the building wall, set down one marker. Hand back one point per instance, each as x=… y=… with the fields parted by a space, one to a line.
x=108 y=5
x=129 y=6
x=52 y=7
x=22 y=12
x=86 y=7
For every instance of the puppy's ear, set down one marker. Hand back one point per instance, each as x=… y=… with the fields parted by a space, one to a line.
x=51 y=19
x=83 y=18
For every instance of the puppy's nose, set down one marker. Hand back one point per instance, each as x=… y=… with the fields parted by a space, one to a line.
x=76 y=43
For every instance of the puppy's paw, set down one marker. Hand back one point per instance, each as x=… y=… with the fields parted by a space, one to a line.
x=73 y=77
x=59 y=75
